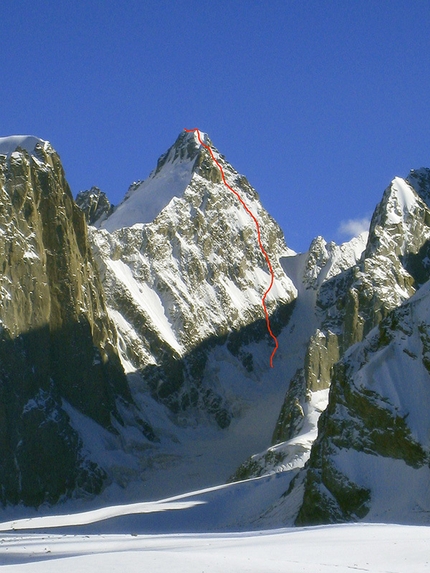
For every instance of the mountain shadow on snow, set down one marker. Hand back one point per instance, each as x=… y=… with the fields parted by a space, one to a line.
x=181 y=383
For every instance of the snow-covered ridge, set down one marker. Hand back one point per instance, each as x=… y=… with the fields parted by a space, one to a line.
x=404 y=200
x=185 y=238
x=28 y=142
x=145 y=200
x=181 y=267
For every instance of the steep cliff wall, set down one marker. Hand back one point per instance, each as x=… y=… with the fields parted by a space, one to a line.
x=56 y=341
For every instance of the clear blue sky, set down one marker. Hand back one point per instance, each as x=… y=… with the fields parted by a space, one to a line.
x=319 y=103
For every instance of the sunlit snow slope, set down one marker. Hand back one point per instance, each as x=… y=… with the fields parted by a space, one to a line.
x=124 y=546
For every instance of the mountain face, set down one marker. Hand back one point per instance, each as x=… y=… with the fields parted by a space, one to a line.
x=351 y=302
x=372 y=434
x=94 y=204
x=371 y=458
x=364 y=337
x=134 y=352
x=57 y=344
x=183 y=274
x=116 y=340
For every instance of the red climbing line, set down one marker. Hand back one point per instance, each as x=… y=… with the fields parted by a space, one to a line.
x=257 y=225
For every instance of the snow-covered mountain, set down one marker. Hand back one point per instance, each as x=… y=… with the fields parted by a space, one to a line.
x=351 y=297
x=372 y=445
x=134 y=353
x=184 y=285
x=183 y=276
x=371 y=459
x=374 y=291
x=175 y=302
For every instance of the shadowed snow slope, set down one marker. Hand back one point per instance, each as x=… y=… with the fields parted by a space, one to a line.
x=373 y=548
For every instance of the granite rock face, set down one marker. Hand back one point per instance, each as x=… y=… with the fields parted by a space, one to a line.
x=135 y=348
x=370 y=348
x=371 y=457
x=351 y=302
x=57 y=343
x=353 y=430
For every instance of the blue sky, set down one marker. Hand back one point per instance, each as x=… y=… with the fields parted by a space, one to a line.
x=319 y=103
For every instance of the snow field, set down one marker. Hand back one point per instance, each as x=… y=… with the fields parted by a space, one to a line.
x=202 y=531
x=326 y=549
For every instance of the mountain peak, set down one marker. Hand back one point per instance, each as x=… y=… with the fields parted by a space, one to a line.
x=146 y=199
x=28 y=142
x=171 y=177
x=186 y=148
x=94 y=204
x=420 y=181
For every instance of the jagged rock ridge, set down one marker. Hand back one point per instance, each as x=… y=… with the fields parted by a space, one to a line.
x=184 y=313
x=174 y=298
x=94 y=204
x=379 y=388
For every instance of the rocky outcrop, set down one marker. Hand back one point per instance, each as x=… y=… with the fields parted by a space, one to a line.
x=374 y=435
x=325 y=263
x=351 y=302
x=57 y=343
x=94 y=204
x=361 y=317
x=370 y=421
x=168 y=287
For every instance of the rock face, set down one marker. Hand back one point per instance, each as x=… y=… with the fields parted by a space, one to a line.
x=379 y=390
x=351 y=302
x=353 y=430
x=94 y=204
x=316 y=353
x=136 y=348
x=57 y=344
x=371 y=458
x=366 y=319
x=183 y=274
x=324 y=264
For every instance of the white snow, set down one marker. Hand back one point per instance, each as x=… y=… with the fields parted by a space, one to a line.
x=30 y=254
x=128 y=547
x=296 y=452
x=344 y=256
x=405 y=200
x=399 y=492
x=152 y=196
x=147 y=299
x=9 y=144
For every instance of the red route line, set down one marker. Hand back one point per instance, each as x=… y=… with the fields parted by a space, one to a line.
x=257 y=225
